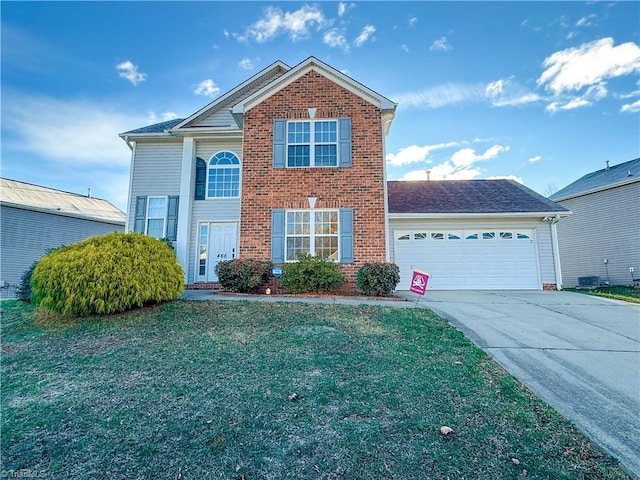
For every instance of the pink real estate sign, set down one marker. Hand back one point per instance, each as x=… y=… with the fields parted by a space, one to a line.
x=419 y=282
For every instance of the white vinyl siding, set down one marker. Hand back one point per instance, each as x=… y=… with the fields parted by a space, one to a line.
x=604 y=225
x=155 y=171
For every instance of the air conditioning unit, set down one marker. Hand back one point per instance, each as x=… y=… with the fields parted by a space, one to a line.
x=589 y=282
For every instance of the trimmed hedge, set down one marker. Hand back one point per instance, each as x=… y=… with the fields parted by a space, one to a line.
x=243 y=275
x=378 y=279
x=311 y=274
x=107 y=274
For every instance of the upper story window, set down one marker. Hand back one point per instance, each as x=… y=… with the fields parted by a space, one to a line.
x=312 y=143
x=220 y=178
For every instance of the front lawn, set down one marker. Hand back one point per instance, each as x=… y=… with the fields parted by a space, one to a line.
x=241 y=390
x=627 y=294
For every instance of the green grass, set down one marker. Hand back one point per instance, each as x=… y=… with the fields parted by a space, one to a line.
x=627 y=294
x=241 y=390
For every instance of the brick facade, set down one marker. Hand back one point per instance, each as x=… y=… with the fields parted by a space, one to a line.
x=360 y=186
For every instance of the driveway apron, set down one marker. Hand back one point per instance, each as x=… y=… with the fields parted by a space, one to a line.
x=580 y=353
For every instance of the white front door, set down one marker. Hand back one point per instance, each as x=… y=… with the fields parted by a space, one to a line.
x=218 y=241
x=222 y=245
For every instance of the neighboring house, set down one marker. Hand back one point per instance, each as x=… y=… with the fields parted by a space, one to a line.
x=34 y=219
x=290 y=161
x=474 y=234
x=293 y=161
x=602 y=237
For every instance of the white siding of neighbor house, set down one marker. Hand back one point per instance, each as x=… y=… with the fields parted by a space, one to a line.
x=27 y=235
x=544 y=248
x=604 y=225
x=155 y=171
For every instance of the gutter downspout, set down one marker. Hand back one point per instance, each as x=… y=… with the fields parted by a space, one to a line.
x=127 y=224
x=556 y=252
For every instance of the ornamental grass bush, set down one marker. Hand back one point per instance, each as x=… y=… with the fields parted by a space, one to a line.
x=107 y=274
x=243 y=275
x=378 y=279
x=312 y=274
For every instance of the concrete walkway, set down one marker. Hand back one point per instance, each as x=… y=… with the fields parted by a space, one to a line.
x=579 y=353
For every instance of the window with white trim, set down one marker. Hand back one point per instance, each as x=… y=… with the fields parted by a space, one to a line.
x=314 y=232
x=312 y=143
x=223 y=176
x=156 y=216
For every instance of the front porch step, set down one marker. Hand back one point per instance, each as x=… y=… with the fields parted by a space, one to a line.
x=213 y=286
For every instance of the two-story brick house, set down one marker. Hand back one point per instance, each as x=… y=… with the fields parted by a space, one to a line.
x=290 y=161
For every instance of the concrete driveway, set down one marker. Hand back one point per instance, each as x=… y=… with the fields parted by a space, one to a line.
x=581 y=354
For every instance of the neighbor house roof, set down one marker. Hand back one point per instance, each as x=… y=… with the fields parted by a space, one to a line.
x=467 y=197
x=48 y=200
x=608 y=177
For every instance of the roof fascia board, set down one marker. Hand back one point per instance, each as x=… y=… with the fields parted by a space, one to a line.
x=298 y=71
x=622 y=183
x=471 y=216
x=232 y=92
x=61 y=213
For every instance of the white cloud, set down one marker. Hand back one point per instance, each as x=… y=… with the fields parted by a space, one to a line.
x=460 y=166
x=440 y=45
x=163 y=117
x=506 y=177
x=404 y=48
x=335 y=38
x=415 y=153
x=207 y=88
x=505 y=92
x=342 y=8
x=468 y=156
x=295 y=24
x=247 y=63
x=130 y=72
x=365 y=35
x=589 y=64
x=631 y=107
x=413 y=21
x=67 y=132
x=441 y=96
x=588 y=21
x=535 y=159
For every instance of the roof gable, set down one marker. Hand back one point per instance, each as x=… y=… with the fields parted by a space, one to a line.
x=467 y=197
x=245 y=89
x=387 y=106
x=621 y=174
x=42 y=199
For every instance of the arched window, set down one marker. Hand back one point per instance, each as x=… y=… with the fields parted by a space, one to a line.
x=223 y=176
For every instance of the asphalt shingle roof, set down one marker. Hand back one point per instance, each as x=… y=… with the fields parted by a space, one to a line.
x=35 y=197
x=601 y=179
x=156 y=127
x=467 y=196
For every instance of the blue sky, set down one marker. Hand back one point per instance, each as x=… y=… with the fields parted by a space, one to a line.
x=542 y=92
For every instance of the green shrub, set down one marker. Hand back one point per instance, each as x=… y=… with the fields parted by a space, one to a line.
x=23 y=292
x=107 y=274
x=378 y=279
x=311 y=274
x=243 y=275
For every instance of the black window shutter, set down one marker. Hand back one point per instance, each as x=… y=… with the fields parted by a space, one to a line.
x=201 y=179
x=141 y=213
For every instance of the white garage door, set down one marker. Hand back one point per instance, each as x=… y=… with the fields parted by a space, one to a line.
x=468 y=259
